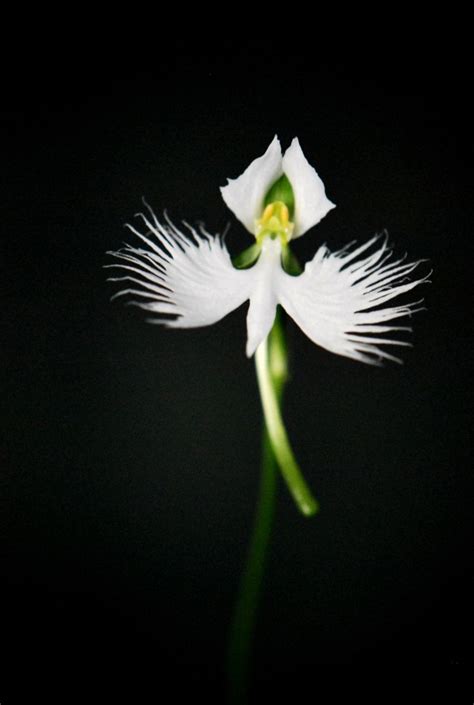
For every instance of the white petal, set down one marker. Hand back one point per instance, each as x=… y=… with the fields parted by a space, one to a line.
x=191 y=277
x=244 y=195
x=311 y=203
x=336 y=300
x=263 y=298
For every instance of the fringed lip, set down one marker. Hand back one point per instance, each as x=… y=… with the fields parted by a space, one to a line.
x=338 y=301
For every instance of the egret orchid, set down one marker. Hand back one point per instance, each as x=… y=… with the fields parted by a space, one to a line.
x=186 y=278
x=337 y=300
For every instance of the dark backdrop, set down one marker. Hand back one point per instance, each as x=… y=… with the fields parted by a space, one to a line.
x=132 y=451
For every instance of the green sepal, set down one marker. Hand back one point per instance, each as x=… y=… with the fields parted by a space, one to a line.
x=247 y=257
x=290 y=262
x=281 y=191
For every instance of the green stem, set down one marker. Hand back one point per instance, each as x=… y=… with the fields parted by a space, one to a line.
x=243 y=624
x=270 y=353
x=272 y=374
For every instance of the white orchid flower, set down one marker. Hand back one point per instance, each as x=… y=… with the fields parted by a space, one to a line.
x=337 y=300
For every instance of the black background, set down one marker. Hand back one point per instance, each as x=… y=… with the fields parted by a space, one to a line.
x=132 y=451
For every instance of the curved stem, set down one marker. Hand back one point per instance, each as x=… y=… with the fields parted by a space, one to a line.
x=269 y=392
x=272 y=374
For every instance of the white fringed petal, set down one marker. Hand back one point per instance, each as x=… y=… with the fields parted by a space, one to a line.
x=191 y=277
x=311 y=202
x=244 y=195
x=336 y=300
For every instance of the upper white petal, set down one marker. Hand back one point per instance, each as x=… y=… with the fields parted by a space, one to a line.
x=311 y=203
x=336 y=300
x=191 y=277
x=244 y=195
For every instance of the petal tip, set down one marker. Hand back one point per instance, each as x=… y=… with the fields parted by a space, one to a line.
x=275 y=141
x=294 y=145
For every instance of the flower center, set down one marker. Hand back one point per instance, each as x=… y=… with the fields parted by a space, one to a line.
x=275 y=223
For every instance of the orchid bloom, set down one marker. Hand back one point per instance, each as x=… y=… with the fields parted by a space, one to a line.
x=336 y=300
